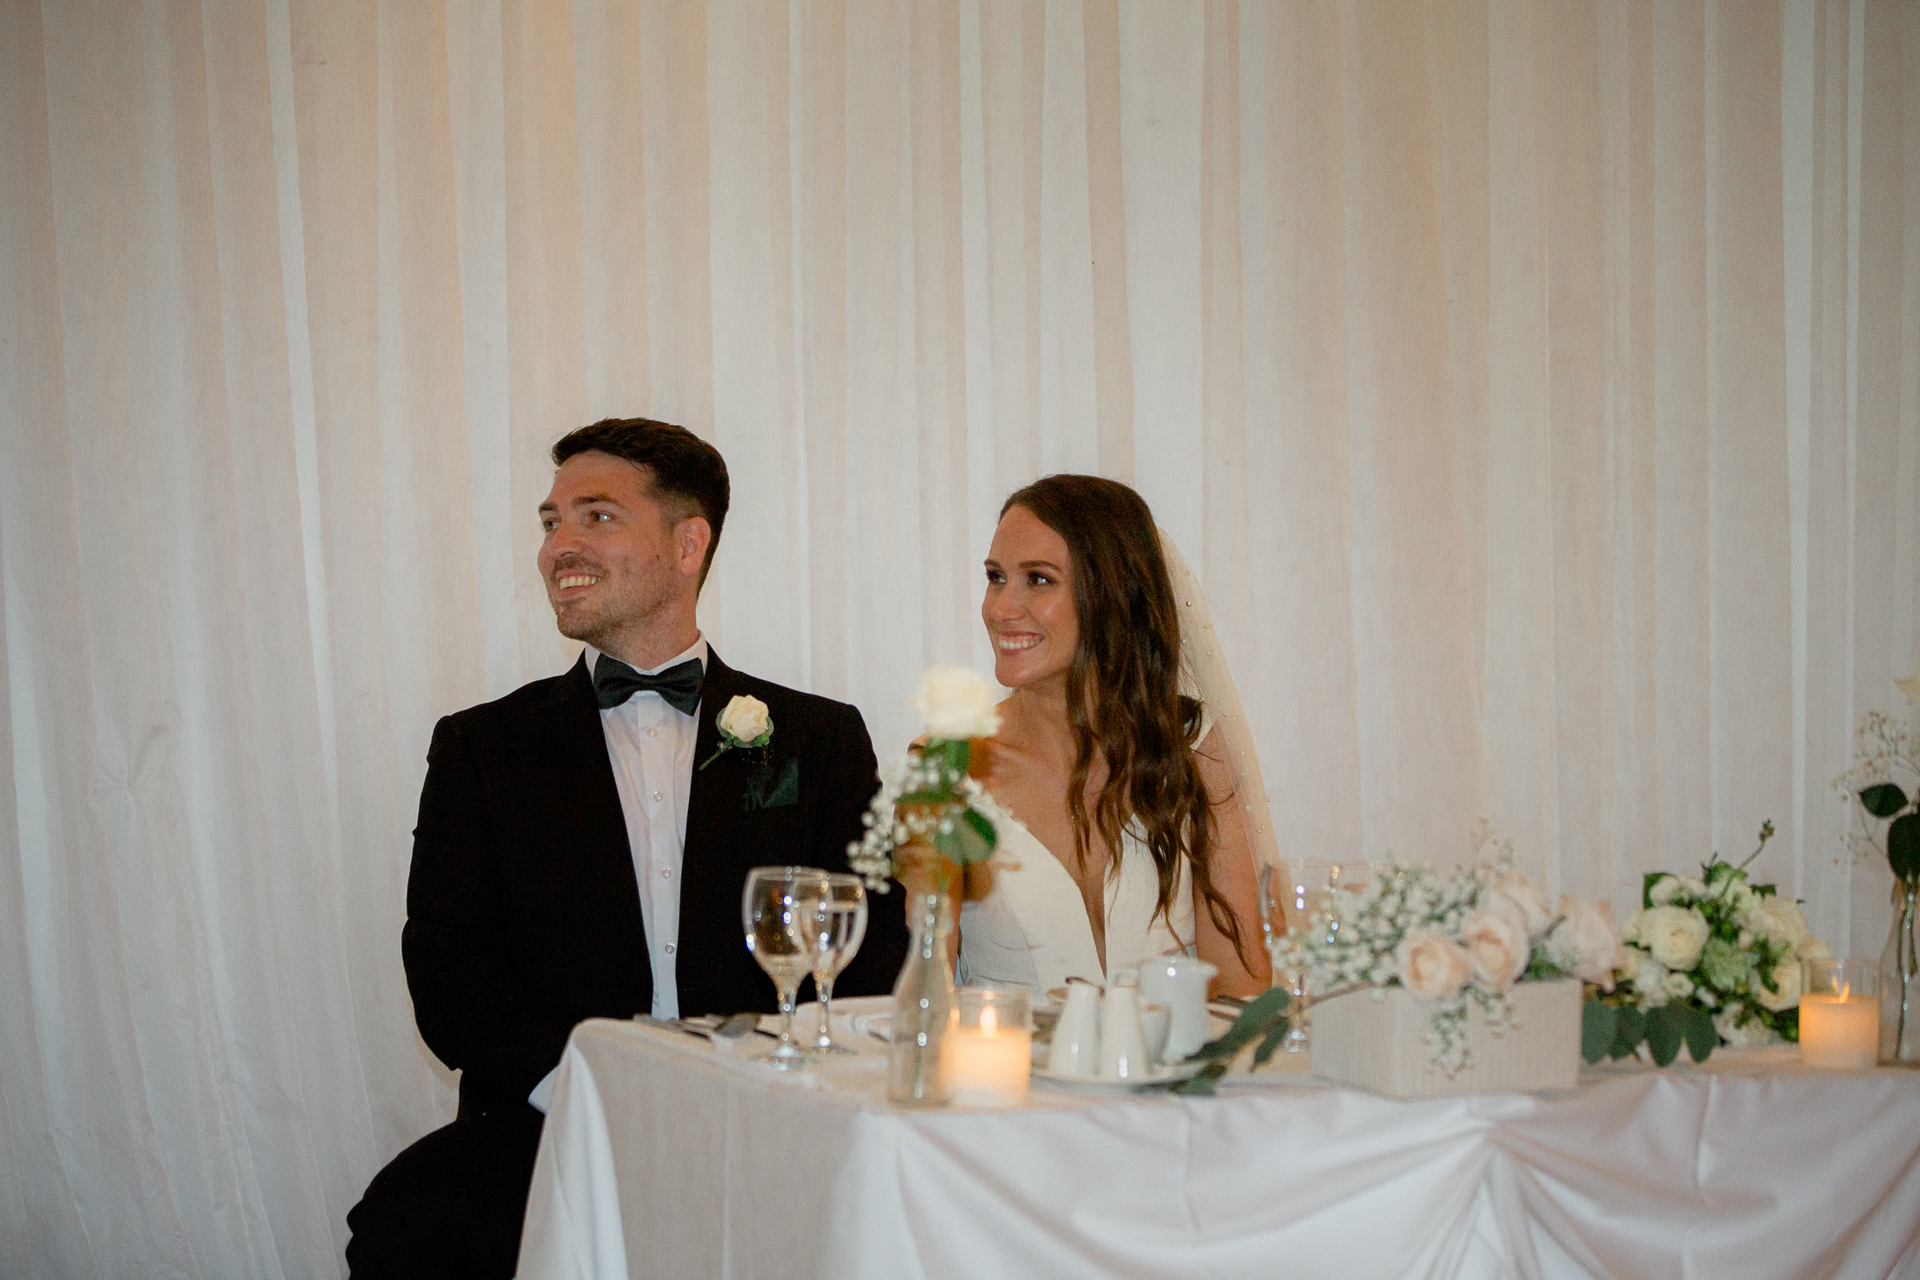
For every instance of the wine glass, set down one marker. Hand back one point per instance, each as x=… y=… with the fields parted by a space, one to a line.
x=775 y=910
x=838 y=924
x=1299 y=895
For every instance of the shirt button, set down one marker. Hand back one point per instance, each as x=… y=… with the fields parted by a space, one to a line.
x=666 y=873
x=657 y=797
x=653 y=733
x=669 y=948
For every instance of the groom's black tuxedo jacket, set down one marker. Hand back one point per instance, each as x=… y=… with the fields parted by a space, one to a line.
x=523 y=914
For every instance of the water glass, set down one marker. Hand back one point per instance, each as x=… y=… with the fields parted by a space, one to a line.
x=777 y=908
x=838 y=924
x=1290 y=897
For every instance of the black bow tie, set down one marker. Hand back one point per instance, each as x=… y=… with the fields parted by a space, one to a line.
x=614 y=682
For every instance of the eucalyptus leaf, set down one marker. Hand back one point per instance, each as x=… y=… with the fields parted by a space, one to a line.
x=1664 y=1034
x=1272 y=1042
x=1201 y=1085
x=1629 y=1031
x=982 y=827
x=1883 y=800
x=1597 y=1025
x=1258 y=1018
x=1903 y=846
x=1698 y=1029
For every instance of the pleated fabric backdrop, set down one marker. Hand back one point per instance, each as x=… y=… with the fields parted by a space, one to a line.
x=1535 y=386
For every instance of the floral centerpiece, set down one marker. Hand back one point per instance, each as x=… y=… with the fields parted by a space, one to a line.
x=927 y=795
x=1710 y=958
x=1457 y=942
x=927 y=799
x=1886 y=756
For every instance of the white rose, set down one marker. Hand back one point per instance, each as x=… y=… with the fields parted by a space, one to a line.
x=1663 y=890
x=1630 y=931
x=745 y=718
x=957 y=703
x=1535 y=914
x=1692 y=886
x=1498 y=946
x=1432 y=965
x=1741 y=1036
x=1786 y=976
x=1674 y=935
x=1650 y=980
x=1678 y=985
x=1745 y=899
x=1778 y=918
x=1586 y=940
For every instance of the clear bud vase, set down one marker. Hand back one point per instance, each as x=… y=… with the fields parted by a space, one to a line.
x=922 y=1005
x=1900 y=981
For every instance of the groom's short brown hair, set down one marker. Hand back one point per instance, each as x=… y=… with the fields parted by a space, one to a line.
x=689 y=476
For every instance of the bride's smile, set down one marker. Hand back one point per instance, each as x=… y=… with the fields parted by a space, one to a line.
x=1028 y=607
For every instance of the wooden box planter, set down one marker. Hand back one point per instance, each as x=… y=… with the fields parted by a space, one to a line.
x=1381 y=1044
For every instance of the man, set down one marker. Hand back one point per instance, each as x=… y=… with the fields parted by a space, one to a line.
x=581 y=850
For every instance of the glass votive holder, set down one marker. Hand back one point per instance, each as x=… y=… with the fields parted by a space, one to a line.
x=1840 y=1015
x=988 y=1053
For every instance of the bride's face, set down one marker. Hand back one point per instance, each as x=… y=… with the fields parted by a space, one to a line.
x=1028 y=607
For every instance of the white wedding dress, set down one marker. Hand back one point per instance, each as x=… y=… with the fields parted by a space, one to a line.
x=1032 y=929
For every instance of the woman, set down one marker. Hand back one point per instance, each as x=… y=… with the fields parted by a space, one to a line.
x=1128 y=845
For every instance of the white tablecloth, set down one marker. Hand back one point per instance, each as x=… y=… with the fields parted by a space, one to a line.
x=663 y=1157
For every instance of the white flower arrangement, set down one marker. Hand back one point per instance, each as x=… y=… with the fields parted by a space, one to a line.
x=1709 y=958
x=926 y=794
x=1453 y=940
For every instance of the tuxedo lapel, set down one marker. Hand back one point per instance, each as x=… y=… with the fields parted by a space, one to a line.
x=709 y=795
x=583 y=801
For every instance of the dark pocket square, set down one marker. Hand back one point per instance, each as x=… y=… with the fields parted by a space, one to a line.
x=772 y=785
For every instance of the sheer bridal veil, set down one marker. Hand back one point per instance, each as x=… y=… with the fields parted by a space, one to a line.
x=1204 y=675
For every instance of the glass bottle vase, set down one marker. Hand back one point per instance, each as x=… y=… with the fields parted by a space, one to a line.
x=1900 y=981
x=922 y=1005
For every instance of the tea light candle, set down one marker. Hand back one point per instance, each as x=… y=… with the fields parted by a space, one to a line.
x=988 y=1065
x=1839 y=1029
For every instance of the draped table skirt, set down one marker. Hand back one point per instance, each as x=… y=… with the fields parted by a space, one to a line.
x=663 y=1156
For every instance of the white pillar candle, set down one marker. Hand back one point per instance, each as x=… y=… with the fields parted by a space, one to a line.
x=988 y=1066
x=1839 y=1030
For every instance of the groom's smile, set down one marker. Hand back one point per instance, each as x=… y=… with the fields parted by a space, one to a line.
x=609 y=559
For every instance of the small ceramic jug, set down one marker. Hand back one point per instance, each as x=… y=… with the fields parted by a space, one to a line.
x=1180 y=983
x=1076 y=1037
x=1123 y=1045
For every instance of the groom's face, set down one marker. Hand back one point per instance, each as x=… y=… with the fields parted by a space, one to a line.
x=614 y=560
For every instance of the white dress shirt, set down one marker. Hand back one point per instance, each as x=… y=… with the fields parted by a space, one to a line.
x=651 y=747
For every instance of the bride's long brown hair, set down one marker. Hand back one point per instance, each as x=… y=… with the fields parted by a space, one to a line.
x=1123 y=689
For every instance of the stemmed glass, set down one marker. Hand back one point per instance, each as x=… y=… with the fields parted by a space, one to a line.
x=838 y=924
x=776 y=910
x=1301 y=894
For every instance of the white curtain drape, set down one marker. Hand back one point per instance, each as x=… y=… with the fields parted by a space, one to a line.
x=1534 y=384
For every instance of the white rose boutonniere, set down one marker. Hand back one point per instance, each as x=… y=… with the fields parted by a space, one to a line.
x=743 y=722
x=957 y=703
